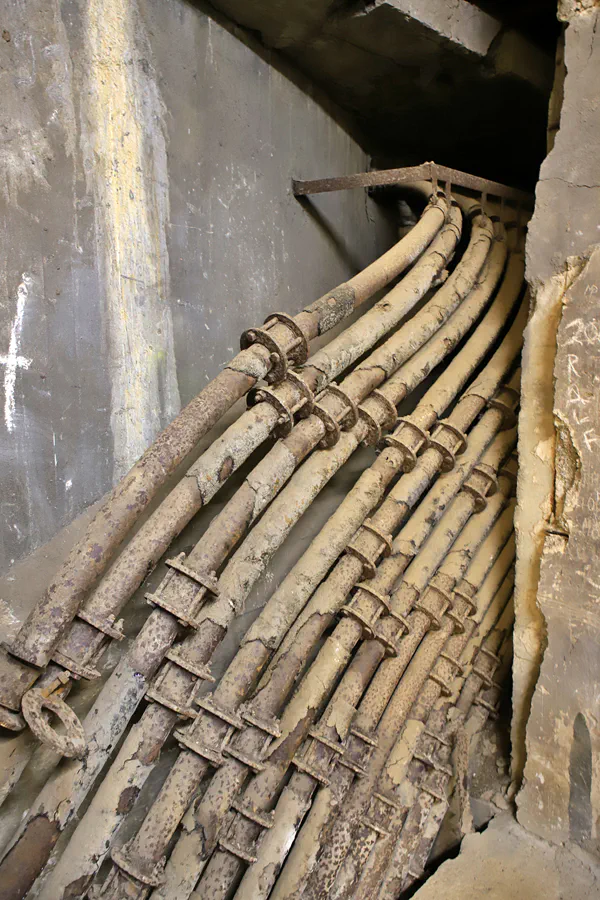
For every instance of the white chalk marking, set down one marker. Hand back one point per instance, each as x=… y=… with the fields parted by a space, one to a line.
x=13 y=360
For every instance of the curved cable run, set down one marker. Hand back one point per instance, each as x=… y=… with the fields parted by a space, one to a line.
x=269 y=352
x=322 y=761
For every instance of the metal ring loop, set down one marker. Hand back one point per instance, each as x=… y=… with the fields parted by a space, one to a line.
x=73 y=744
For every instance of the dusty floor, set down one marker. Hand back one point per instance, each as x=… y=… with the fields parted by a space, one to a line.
x=505 y=861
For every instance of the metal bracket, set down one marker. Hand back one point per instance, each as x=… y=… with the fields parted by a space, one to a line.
x=429 y=171
x=297 y=353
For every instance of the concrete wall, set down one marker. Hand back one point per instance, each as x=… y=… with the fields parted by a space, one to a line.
x=556 y=735
x=146 y=219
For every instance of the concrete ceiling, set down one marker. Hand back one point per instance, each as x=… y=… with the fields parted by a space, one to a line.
x=423 y=79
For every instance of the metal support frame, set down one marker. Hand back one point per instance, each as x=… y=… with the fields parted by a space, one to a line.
x=429 y=171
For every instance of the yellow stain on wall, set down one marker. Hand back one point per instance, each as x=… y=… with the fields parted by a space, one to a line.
x=126 y=161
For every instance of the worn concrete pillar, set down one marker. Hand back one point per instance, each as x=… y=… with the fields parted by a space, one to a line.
x=556 y=736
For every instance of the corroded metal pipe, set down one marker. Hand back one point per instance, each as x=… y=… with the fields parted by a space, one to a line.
x=382 y=712
x=266 y=351
x=423 y=818
x=227 y=863
x=193 y=848
x=434 y=402
x=230 y=695
x=210 y=622
x=319 y=760
x=335 y=407
x=255 y=650
x=388 y=804
x=215 y=466
x=250 y=560
x=301 y=858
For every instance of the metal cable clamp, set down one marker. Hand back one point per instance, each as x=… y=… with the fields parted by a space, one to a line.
x=418 y=440
x=443 y=429
x=481 y=484
x=297 y=352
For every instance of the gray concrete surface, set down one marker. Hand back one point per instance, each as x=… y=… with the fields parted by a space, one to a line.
x=145 y=161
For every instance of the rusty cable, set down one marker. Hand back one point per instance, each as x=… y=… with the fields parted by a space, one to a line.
x=271 y=408
x=387 y=806
x=318 y=757
x=249 y=561
x=432 y=787
x=381 y=713
x=268 y=351
x=80 y=649
x=341 y=449
x=241 y=679
x=238 y=845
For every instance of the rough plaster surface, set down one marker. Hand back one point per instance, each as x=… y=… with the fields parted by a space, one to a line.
x=556 y=671
x=506 y=861
x=146 y=220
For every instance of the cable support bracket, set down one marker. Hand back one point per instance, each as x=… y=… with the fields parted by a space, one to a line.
x=390 y=413
x=456 y=665
x=201 y=578
x=177 y=656
x=303 y=407
x=387 y=801
x=386 y=539
x=77 y=669
x=491 y=655
x=384 y=599
x=374 y=435
x=236 y=850
x=336 y=748
x=467 y=599
x=182 y=609
x=370 y=739
x=443 y=685
x=188 y=742
x=492 y=708
x=437 y=794
x=255 y=764
x=105 y=624
x=505 y=400
x=154 y=695
x=437 y=737
x=483 y=676
x=390 y=641
x=429 y=760
x=333 y=427
x=365 y=820
x=355 y=613
x=402 y=620
x=248 y=811
x=351 y=764
x=418 y=440
x=208 y=704
x=459 y=625
x=280 y=358
x=481 y=484
x=506 y=472
x=269 y=726
x=151 y=874
x=304 y=766
x=434 y=616
x=444 y=428
x=369 y=566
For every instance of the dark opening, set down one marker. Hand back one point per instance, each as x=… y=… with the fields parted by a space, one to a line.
x=580 y=774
